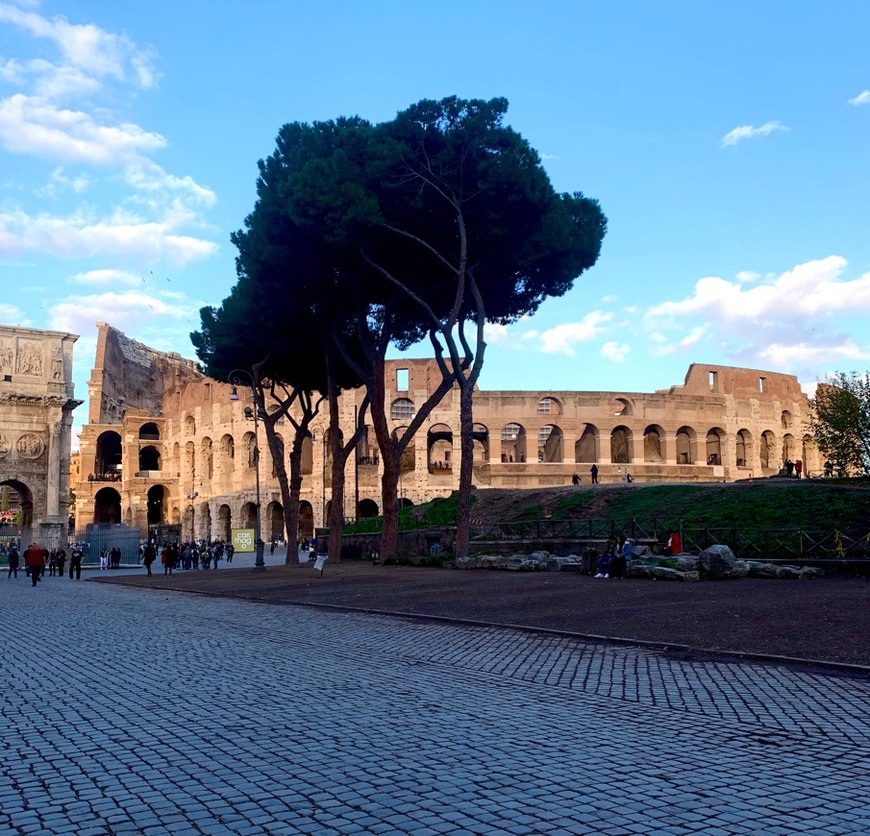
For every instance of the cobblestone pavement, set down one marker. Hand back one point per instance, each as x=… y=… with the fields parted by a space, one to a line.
x=129 y=711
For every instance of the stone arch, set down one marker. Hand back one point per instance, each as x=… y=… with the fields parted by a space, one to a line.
x=513 y=443
x=207 y=448
x=622 y=406
x=480 y=438
x=109 y=458
x=224 y=523
x=249 y=445
x=786 y=420
x=686 y=444
x=20 y=499
x=107 y=506
x=227 y=453
x=653 y=444
x=408 y=461
x=743 y=448
x=404 y=502
x=149 y=432
x=549 y=405
x=767 y=451
x=205 y=520
x=149 y=458
x=439 y=448
x=307 y=464
x=551 y=446
x=402 y=409
x=156 y=505
x=248 y=514
x=620 y=445
x=810 y=454
x=306 y=520
x=275 y=516
x=368 y=508
x=190 y=462
x=586 y=447
x=189 y=425
x=789 y=447
x=715 y=445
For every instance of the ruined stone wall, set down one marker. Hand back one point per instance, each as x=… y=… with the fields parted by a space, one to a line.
x=721 y=424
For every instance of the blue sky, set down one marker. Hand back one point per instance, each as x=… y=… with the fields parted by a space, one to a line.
x=728 y=143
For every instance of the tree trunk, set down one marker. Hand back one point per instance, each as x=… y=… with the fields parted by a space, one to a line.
x=391 y=458
x=336 y=509
x=466 y=465
x=291 y=511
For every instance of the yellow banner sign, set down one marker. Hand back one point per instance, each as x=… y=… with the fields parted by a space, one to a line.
x=243 y=539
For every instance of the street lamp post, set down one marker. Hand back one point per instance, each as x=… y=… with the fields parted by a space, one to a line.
x=241 y=377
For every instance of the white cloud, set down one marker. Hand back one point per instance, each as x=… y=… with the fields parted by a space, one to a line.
x=614 y=351
x=745 y=276
x=108 y=276
x=742 y=132
x=562 y=338
x=59 y=182
x=783 y=321
x=84 y=235
x=861 y=99
x=10 y=314
x=35 y=126
x=88 y=47
x=609 y=298
x=494 y=333
x=127 y=311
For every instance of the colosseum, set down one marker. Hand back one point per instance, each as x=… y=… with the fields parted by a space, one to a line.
x=167 y=446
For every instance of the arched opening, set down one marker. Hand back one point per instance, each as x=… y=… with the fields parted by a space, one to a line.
x=402 y=409
x=149 y=432
x=549 y=406
x=550 y=444
x=249 y=445
x=205 y=520
x=109 y=458
x=767 y=451
x=743 y=448
x=228 y=453
x=275 y=515
x=190 y=425
x=513 y=443
x=786 y=420
x=789 y=448
x=621 y=406
x=156 y=505
x=306 y=520
x=307 y=463
x=368 y=508
x=408 y=461
x=439 y=447
x=685 y=444
x=480 y=438
x=586 y=447
x=107 y=506
x=224 y=530
x=366 y=451
x=149 y=458
x=249 y=515
x=714 y=445
x=620 y=445
x=17 y=506
x=653 y=448
x=404 y=502
x=190 y=462
x=207 y=449
x=812 y=461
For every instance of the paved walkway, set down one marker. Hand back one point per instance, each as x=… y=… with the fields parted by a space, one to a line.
x=155 y=712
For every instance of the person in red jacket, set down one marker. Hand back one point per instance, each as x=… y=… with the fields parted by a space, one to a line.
x=34 y=560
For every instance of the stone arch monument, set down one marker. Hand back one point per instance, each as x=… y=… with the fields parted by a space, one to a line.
x=36 y=406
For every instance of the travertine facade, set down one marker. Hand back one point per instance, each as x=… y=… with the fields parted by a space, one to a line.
x=36 y=404
x=167 y=445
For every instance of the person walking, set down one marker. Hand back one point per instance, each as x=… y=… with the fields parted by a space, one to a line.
x=34 y=559
x=12 y=557
x=60 y=559
x=75 y=563
x=148 y=557
x=594 y=471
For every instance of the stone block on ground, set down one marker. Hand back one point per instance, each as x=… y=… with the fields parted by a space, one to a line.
x=718 y=563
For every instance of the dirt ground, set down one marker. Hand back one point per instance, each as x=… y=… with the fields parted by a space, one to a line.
x=826 y=620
